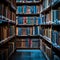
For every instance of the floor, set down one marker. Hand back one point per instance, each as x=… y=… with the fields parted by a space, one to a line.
x=27 y=55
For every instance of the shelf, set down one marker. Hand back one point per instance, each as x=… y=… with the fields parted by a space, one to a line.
x=26 y=25
x=4 y=20
x=46 y=25
x=27 y=48
x=13 y=8
x=27 y=3
x=56 y=50
x=28 y=15
x=46 y=40
x=55 y=4
x=28 y=36
x=46 y=10
x=6 y=39
x=12 y=22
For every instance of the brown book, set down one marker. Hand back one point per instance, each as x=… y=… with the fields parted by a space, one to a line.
x=4 y=32
x=31 y=30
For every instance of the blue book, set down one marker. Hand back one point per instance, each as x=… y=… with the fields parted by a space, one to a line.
x=20 y=31
x=35 y=9
x=54 y=37
x=25 y=9
x=19 y=9
x=36 y=30
x=56 y=13
x=20 y=20
x=39 y=20
x=34 y=20
x=29 y=21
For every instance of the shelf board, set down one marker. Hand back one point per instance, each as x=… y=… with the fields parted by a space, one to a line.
x=6 y=39
x=12 y=22
x=27 y=3
x=46 y=25
x=56 y=50
x=55 y=4
x=46 y=10
x=27 y=48
x=46 y=40
x=13 y=8
x=28 y=15
x=30 y=36
x=26 y=25
x=6 y=22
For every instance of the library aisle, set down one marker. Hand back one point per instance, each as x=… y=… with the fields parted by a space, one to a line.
x=29 y=30
x=28 y=55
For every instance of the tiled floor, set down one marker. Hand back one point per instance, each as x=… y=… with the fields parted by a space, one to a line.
x=28 y=55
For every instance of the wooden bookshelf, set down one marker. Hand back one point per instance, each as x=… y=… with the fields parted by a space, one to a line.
x=48 y=14
x=7 y=27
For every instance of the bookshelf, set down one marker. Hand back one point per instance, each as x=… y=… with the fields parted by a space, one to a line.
x=7 y=28
x=49 y=28
x=27 y=22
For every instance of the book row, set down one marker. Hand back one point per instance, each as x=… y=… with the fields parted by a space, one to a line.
x=28 y=20
x=27 y=31
x=6 y=31
x=27 y=43
x=28 y=9
x=52 y=17
x=6 y=13
x=27 y=1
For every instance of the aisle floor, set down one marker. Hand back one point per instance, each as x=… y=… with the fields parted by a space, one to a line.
x=27 y=55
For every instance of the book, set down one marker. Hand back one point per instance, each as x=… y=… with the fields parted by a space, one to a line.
x=5 y=32
x=54 y=37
